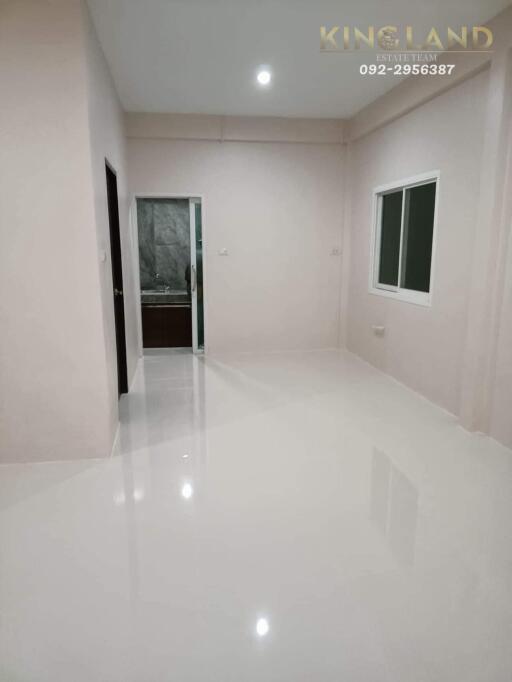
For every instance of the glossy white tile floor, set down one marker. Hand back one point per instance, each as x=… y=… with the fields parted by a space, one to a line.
x=305 y=493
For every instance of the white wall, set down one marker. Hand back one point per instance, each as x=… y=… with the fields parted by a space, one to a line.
x=107 y=141
x=55 y=353
x=501 y=410
x=464 y=367
x=277 y=208
x=500 y=425
x=422 y=346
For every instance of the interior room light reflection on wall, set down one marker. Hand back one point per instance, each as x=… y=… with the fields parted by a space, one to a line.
x=187 y=491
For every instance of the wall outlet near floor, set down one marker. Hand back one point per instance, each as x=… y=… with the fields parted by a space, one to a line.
x=223 y=252
x=378 y=330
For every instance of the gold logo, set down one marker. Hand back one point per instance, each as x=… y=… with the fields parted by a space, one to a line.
x=391 y=38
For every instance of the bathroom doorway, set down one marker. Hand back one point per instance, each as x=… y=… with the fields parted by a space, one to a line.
x=171 y=272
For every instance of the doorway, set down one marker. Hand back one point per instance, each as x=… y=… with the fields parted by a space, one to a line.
x=117 y=278
x=171 y=272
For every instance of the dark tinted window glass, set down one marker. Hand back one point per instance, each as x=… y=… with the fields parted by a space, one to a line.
x=417 y=239
x=390 y=237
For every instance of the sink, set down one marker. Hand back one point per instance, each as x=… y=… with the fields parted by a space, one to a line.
x=164 y=297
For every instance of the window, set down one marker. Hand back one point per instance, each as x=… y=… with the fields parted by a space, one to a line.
x=403 y=239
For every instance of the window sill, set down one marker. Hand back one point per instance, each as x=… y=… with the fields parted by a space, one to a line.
x=405 y=295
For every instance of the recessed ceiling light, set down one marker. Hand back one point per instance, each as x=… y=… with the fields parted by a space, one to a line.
x=264 y=77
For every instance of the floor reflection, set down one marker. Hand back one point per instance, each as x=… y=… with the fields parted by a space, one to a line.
x=394 y=506
x=262 y=523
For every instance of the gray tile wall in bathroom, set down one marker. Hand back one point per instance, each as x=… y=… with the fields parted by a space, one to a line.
x=164 y=242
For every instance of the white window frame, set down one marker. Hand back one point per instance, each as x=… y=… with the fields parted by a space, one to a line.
x=408 y=295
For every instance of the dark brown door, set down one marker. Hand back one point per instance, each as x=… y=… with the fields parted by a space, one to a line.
x=117 y=279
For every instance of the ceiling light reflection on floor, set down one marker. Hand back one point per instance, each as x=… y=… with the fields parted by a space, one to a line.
x=262 y=627
x=187 y=491
x=138 y=494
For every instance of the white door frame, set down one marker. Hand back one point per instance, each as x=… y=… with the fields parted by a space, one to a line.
x=193 y=272
x=134 y=233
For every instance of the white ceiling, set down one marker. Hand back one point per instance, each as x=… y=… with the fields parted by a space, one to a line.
x=200 y=56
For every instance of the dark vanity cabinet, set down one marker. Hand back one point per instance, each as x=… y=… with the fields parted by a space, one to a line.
x=166 y=322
